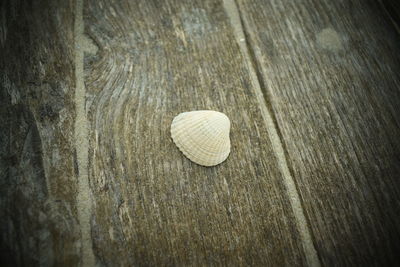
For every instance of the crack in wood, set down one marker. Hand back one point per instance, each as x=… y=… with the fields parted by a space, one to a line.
x=84 y=203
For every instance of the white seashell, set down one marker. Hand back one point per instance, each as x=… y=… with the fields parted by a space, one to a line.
x=202 y=136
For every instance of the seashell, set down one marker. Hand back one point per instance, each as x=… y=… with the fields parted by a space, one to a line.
x=202 y=136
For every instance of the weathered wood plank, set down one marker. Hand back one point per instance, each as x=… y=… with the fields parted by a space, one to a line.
x=330 y=73
x=152 y=206
x=38 y=215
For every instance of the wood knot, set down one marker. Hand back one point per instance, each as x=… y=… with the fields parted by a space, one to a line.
x=329 y=39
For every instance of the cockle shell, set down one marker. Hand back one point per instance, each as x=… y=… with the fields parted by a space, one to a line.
x=202 y=136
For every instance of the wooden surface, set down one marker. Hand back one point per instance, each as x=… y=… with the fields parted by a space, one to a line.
x=153 y=204
x=392 y=10
x=90 y=175
x=38 y=213
x=331 y=76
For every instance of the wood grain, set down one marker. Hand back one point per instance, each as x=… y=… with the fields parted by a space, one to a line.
x=330 y=73
x=392 y=9
x=152 y=206
x=38 y=223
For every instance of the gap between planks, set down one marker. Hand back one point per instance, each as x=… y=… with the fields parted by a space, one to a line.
x=301 y=222
x=83 y=201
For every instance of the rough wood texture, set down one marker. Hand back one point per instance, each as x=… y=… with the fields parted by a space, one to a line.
x=331 y=76
x=392 y=9
x=38 y=224
x=329 y=71
x=152 y=206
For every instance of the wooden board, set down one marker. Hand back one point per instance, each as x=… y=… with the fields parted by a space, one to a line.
x=38 y=215
x=330 y=73
x=152 y=206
